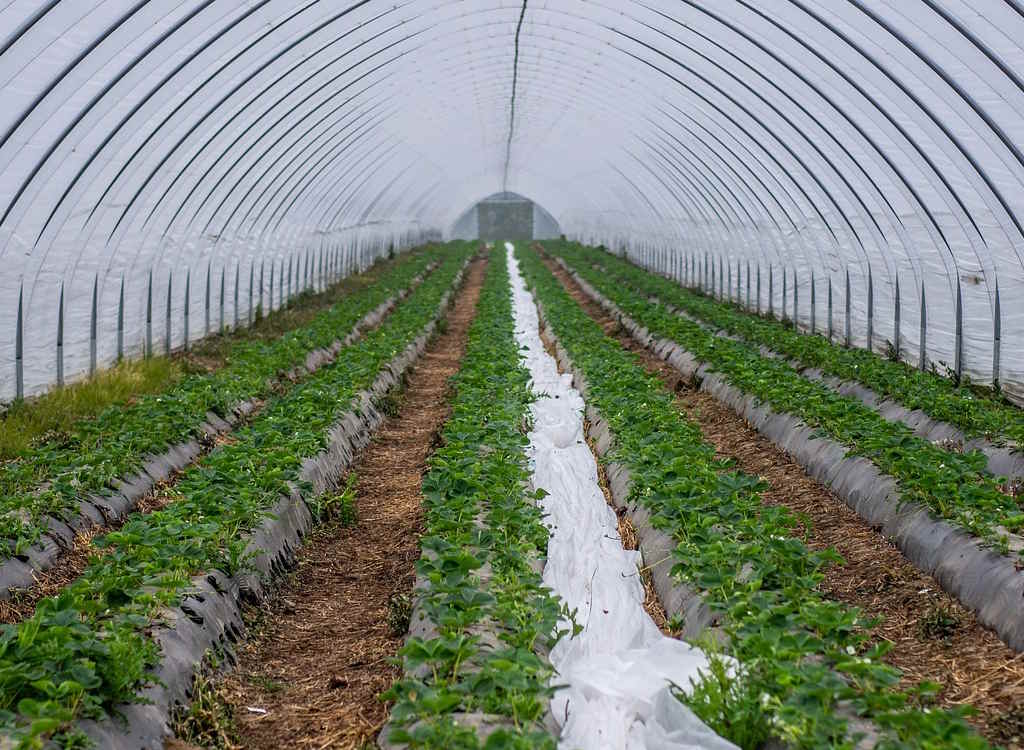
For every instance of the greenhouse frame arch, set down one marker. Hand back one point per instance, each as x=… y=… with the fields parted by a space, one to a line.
x=863 y=159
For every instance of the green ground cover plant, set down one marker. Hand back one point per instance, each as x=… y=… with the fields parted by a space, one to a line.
x=804 y=664
x=47 y=418
x=26 y=424
x=482 y=528
x=90 y=647
x=954 y=486
x=57 y=473
x=975 y=413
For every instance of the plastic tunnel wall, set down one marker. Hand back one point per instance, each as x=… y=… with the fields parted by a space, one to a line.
x=193 y=141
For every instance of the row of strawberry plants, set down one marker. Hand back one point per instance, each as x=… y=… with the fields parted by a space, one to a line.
x=487 y=614
x=803 y=663
x=955 y=486
x=939 y=397
x=117 y=442
x=90 y=647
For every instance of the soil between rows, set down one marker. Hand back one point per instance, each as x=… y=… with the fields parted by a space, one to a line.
x=932 y=636
x=73 y=561
x=310 y=674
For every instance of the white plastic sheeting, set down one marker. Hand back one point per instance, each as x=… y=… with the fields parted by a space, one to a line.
x=824 y=136
x=618 y=670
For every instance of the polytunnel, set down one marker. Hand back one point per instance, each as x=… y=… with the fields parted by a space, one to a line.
x=680 y=261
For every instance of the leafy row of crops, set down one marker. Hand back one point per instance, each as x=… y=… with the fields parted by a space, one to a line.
x=939 y=397
x=804 y=663
x=90 y=647
x=95 y=452
x=489 y=611
x=955 y=486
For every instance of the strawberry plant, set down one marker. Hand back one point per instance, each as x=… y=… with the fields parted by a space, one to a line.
x=90 y=647
x=804 y=665
x=954 y=486
x=974 y=412
x=483 y=527
x=95 y=452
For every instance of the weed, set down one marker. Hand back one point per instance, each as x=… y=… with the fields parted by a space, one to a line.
x=390 y=404
x=399 y=614
x=208 y=721
x=940 y=623
x=266 y=684
x=50 y=417
x=728 y=702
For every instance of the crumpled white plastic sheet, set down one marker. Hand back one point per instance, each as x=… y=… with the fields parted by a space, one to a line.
x=618 y=670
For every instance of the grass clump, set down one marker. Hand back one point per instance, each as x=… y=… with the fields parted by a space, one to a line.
x=50 y=416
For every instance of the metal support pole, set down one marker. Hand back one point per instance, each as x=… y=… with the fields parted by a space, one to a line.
x=796 y=301
x=871 y=308
x=923 y=358
x=252 y=280
x=223 y=273
x=270 y=304
x=848 y=308
x=997 y=327
x=260 y=305
x=149 y=315
x=771 y=291
x=896 y=320
x=784 y=280
x=748 y=283
x=188 y=292
x=814 y=313
x=758 y=288
x=830 y=316
x=238 y=266
x=60 y=337
x=958 y=359
x=206 y=305
x=120 y=321
x=93 y=325
x=19 y=347
x=167 y=319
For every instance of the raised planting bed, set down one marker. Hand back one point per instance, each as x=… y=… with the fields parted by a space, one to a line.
x=942 y=510
x=618 y=674
x=805 y=672
x=475 y=671
x=934 y=407
x=20 y=572
x=41 y=492
x=108 y=657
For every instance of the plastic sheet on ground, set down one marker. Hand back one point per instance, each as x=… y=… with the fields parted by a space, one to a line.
x=620 y=668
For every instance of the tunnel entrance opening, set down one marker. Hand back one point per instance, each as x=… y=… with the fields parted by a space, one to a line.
x=505 y=216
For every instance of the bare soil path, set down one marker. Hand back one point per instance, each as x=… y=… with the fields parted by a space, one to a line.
x=932 y=636
x=320 y=654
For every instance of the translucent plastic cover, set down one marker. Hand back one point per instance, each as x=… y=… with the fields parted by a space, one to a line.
x=191 y=141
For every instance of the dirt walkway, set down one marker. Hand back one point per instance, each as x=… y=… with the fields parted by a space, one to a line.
x=933 y=637
x=310 y=676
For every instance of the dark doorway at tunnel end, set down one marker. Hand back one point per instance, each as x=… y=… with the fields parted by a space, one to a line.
x=505 y=216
